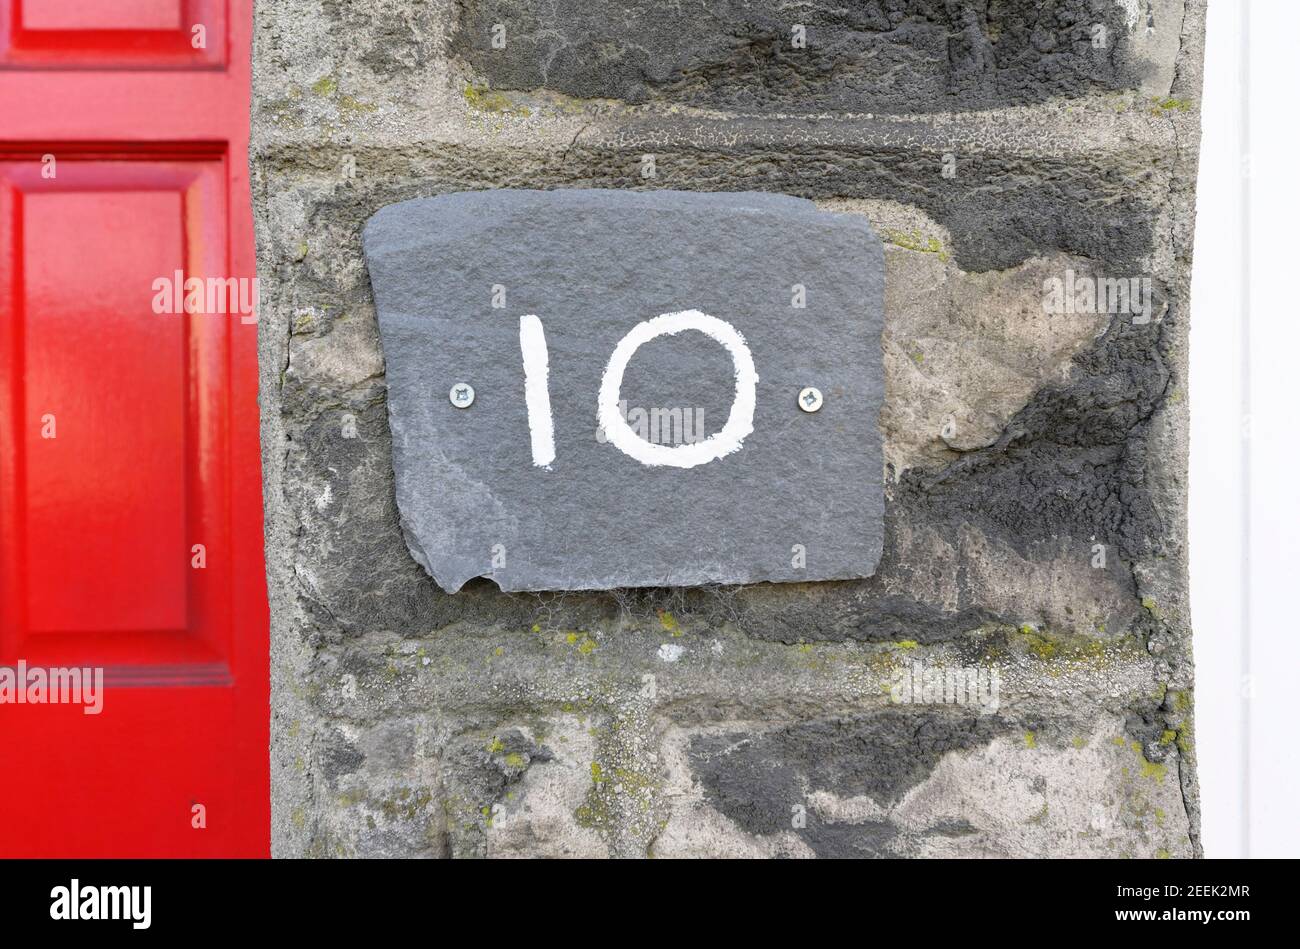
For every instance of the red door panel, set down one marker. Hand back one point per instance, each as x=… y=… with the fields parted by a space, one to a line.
x=130 y=499
x=120 y=571
x=151 y=34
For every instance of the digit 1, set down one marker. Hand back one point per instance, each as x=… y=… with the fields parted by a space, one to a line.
x=537 y=393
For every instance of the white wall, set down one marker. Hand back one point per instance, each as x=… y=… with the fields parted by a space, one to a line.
x=1245 y=510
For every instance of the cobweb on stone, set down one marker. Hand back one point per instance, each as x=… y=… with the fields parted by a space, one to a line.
x=561 y=610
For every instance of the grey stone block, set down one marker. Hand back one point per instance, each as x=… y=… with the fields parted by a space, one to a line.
x=879 y=57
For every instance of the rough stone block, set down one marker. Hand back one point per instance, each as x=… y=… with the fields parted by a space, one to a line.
x=879 y=57
x=1033 y=457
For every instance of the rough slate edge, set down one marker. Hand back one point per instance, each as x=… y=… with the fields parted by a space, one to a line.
x=390 y=215
x=375 y=233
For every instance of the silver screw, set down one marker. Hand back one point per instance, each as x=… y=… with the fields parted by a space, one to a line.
x=810 y=398
x=461 y=395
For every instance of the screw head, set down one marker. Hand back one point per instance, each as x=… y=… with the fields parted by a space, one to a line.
x=461 y=395
x=810 y=398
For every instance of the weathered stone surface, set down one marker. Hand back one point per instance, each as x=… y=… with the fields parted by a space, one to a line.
x=906 y=56
x=923 y=784
x=799 y=498
x=1043 y=539
x=965 y=352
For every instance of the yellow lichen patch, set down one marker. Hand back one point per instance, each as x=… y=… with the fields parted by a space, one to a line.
x=484 y=99
x=349 y=104
x=1149 y=769
x=613 y=792
x=1171 y=104
x=1041 y=645
x=1180 y=701
x=1054 y=647
x=582 y=641
x=883 y=661
x=916 y=241
x=669 y=623
x=1031 y=740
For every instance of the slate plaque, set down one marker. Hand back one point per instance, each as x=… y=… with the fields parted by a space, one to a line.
x=699 y=465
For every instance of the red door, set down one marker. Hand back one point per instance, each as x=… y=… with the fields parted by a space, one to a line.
x=130 y=486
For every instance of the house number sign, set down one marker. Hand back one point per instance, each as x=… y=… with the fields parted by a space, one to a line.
x=599 y=389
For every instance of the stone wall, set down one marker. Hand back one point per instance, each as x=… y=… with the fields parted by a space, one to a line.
x=1035 y=461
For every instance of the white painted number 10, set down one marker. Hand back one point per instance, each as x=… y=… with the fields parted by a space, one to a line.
x=537 y=392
